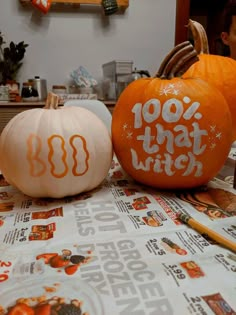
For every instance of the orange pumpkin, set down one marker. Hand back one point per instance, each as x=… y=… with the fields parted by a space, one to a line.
x=217 y=70
x=170 y=132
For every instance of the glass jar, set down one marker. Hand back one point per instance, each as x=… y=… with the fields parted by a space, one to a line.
x=74 y=89
x=59 y=89
x=4 y=93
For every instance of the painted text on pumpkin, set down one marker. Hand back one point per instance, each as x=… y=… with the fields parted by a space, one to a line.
x=170 y=135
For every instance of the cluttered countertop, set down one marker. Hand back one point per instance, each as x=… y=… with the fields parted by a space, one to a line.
x=116 y=76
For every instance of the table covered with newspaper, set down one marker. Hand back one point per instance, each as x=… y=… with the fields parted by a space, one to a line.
x=118 y=249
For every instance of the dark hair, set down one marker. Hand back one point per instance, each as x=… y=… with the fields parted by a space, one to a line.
x=229 y=12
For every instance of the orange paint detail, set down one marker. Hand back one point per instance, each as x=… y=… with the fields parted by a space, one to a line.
x=75 y=153
x=38 y=167
x=63 y=157
x=33 y=155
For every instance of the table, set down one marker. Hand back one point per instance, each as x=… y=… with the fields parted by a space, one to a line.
x=118 y=249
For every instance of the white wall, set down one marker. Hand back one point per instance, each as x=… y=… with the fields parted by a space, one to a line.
x=61 y=41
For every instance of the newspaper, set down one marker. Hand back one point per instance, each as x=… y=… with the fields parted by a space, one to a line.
x=118 y=249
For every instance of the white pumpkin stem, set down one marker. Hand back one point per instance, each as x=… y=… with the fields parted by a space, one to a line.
x=52 y=101
x=180 y=58
x=199 y=37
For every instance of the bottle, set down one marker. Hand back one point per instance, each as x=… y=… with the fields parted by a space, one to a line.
x=41 y=86
x=28 y=92
x=4 y=93
x=110 y=6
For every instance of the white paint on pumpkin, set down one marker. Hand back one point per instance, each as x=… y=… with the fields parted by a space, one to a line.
x=171 y=89
x=213 y=128
x=179 y=136
x=129 y=135
x=167 y=164
x=125 y=126
x=212 y=146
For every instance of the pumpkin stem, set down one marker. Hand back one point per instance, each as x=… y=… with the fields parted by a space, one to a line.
x=199 y=37
x=52 y=101
x=180 y=58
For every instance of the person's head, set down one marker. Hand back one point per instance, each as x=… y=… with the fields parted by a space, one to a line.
x=228 y=34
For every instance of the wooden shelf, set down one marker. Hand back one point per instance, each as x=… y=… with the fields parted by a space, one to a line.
x=121 y=3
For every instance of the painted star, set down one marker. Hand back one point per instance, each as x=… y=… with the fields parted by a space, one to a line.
x=129 y=135
x=125 y=126
x=165 y=91
x=212 y=146
x=175 y=92
x=218 y=135
x=213 y=128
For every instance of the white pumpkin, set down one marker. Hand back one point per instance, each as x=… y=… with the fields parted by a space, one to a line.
x=55 y=153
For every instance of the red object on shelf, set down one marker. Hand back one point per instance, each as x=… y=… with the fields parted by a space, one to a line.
x=42 y=5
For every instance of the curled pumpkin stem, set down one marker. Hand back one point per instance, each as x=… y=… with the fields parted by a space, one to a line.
x=169 y=56
x=178 y=61
x=199 y=37
x=52 y=101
